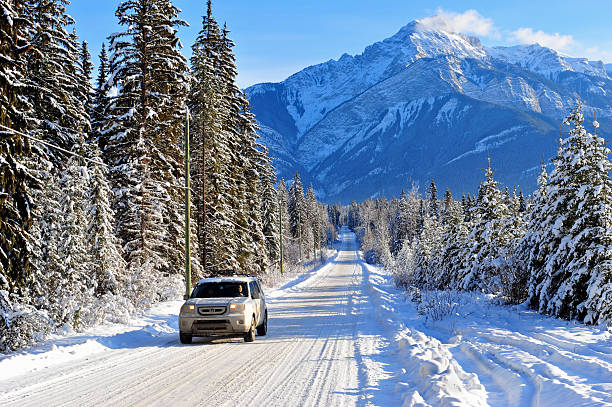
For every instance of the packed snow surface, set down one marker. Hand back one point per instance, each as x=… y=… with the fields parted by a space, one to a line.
x=340 y=335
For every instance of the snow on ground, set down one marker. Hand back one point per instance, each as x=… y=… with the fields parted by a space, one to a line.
x=463 y=349
x=341 y=334
x=157 y=326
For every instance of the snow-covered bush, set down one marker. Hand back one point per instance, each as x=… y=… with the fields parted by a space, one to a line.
x=21 y=325
x=514 y=280
x=436 y=305
x=403 y=269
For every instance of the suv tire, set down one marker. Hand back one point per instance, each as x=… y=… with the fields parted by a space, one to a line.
x=262 y=329
x=250 y=336
x=185 y=338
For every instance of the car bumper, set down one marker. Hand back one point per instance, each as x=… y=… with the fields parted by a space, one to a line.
x=214 y=325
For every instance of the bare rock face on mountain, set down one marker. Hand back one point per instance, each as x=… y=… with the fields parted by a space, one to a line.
x=425 y=104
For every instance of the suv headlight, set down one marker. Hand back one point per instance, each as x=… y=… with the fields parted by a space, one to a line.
x=236 y=307
x=188 y=309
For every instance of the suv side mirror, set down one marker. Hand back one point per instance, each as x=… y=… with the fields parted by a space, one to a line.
x=185 y=297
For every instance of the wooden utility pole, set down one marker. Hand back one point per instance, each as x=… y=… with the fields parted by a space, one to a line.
x=187 y=212
x=280 y=236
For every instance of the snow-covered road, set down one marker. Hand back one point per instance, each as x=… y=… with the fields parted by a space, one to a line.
x=342 y=335
x=310 y=357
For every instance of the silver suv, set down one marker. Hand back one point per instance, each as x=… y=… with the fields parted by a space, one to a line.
x=224 y=306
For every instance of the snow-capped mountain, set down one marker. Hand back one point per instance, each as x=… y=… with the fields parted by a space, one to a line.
x=425 y=104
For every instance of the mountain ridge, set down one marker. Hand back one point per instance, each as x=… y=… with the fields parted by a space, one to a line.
x=314 y=118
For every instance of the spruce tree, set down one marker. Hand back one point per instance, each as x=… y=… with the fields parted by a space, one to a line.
x=54 y=80
x=488 y=242
x=144 y=128
x=15 y=108
x=85 y=73
x=576 y=276
x=100 y=100
x=214 y=156
x=297 y=207
x=284 y=222
x=270 y=206
x=432 y=203
x=108 y=266
x=533 y=249
x=313 y=238
x=454 y=240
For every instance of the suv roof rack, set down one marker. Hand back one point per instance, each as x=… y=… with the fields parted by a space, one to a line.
x=229 y=273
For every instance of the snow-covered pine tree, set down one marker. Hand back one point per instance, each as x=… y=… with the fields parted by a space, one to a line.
x=401 y=223
x=313 y=238
x=447 y=204
x=84 y=72
x=53 y=79
x=20 y=322
x=144 y=127
x=284 y=221
x=252 y=164
x=270 y=209
x=513 y=277
x=427 y=252
x=75 y=285
x=15 y=199
x=531 y=252
x=454 y=237
x=489 y=240
x=577 y=274
x=432 y=202
x=107 y=264
x=100 y=100
x=297 y=211
x=216 y=198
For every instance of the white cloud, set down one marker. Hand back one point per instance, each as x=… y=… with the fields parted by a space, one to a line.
x=555 y=41
x=469 y=22
x=598 y=54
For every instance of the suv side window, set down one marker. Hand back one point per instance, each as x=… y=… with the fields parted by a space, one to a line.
x=259 y=290
x=254 y=290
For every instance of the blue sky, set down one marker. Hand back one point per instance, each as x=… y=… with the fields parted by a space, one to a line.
x=277 y=38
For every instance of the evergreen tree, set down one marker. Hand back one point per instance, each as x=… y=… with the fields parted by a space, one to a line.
x=54 y=80
x=532 y=250
x=74 y=285
x=297 y=208
x=100 y=100
x=426 y=252
x=454 y=240
x=144 y=127
x=15 y=108
x=432 y=203
x=214 y=156
x=488 y=242
x=85 y=72
x=283 y=201
x=270 y=210
x=576 y=275
x=312 y=237
x=108 y=266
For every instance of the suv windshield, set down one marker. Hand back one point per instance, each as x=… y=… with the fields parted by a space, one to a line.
x=218 y=290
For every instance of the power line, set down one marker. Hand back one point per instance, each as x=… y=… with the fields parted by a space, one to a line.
x=53 y=146
x=72 y=153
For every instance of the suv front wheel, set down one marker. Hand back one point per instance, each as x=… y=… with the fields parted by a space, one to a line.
x=250 y=336
x=186 y=339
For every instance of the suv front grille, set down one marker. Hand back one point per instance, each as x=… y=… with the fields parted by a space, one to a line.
x=212 y=325
x=211 y=310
